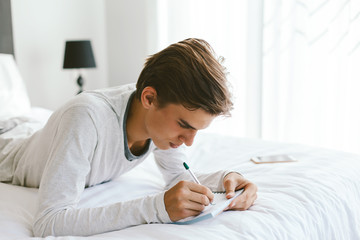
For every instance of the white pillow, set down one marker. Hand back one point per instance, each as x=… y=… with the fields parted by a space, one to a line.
x=14 y=100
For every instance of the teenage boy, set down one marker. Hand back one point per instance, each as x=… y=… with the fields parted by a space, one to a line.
x=99 y=135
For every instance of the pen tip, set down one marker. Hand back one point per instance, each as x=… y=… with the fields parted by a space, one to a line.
x=186 y=166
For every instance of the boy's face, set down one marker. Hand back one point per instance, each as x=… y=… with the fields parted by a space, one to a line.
x=173 y=125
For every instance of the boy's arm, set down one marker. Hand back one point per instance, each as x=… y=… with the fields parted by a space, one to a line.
x=64 y=180
x=170 y=163
x=183 y=199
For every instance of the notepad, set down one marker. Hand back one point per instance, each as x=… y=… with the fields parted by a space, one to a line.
x=218 y=205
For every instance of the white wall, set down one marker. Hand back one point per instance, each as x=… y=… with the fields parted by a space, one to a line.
x=131 y=37
x=40 y=29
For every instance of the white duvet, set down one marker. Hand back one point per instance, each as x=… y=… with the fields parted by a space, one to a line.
x=317 y=197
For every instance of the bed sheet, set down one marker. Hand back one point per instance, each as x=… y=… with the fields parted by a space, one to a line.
x=315 y=198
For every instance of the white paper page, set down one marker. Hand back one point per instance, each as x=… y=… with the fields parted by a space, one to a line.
x=219 y=203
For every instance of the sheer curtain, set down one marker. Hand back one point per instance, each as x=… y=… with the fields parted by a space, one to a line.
x=223 y=24
x=293 y=64
x=311 y=73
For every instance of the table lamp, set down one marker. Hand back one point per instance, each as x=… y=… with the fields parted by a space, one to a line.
x=79 y=54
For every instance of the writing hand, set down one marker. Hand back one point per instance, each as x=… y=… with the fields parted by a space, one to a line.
x=186 y=199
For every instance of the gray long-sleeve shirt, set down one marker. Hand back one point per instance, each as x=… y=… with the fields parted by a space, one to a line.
x=84 y=144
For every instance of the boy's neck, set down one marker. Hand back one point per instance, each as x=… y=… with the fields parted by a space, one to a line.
x=135 y=126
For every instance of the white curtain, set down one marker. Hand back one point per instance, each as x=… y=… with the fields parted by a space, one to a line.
x=292 y=63
x=311 y=72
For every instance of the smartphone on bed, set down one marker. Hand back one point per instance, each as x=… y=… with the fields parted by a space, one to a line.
x=273 y=159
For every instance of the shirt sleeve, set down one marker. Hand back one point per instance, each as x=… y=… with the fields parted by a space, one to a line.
x=170 y=163
x=64 y=180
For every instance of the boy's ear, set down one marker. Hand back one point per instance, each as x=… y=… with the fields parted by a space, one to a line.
x=148 y=97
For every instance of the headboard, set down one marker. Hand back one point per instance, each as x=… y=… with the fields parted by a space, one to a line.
x=6 y=33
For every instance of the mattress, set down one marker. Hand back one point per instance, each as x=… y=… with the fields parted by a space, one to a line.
x=316 y=197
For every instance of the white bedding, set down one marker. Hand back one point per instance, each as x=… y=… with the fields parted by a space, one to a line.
x=315 y=198
x=14 y=100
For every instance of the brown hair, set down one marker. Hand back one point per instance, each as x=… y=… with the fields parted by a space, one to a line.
x=189 y=74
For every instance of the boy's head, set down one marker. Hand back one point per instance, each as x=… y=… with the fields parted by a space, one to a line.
x=189 y=74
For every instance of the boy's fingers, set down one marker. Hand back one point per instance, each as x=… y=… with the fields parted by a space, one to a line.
x=246 y=199
x=194 y=187
x=199 y=198
x=230 y=186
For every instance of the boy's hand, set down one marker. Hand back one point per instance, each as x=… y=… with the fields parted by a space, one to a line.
x=186 y=199
x=234 y=181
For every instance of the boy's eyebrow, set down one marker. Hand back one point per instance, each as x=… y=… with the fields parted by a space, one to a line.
x=187 y=124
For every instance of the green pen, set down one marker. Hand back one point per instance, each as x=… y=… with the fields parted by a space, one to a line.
x=194 y=177
x=191 y=173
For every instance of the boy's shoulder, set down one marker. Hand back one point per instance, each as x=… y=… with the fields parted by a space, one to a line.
x=102 y=101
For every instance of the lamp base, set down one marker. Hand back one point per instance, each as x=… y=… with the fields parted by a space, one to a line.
x=80 y=83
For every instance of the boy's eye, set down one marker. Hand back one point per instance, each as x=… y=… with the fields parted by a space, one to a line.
x=182 y=125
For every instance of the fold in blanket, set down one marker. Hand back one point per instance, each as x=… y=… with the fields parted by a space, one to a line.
x=7 y=125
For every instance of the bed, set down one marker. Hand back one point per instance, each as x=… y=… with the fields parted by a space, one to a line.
x=315 y=198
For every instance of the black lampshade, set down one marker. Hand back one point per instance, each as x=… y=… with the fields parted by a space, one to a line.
x=78 y=54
